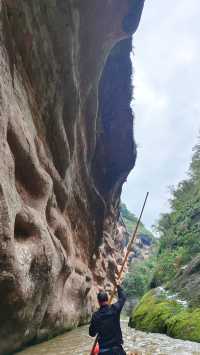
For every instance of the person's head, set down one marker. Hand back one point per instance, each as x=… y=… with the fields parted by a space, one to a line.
x=102 y=298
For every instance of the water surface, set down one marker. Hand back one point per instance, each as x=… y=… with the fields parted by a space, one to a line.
x=77 y=342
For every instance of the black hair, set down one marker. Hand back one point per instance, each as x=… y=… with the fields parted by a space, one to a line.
x=102 y=297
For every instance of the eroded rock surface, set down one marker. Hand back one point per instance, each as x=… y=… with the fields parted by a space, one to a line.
x=66 y=147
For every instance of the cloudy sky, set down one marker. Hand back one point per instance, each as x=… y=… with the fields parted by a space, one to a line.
x=167 y=101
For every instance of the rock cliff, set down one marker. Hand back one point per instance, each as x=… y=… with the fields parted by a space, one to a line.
x=187 y=282
x=66 y=147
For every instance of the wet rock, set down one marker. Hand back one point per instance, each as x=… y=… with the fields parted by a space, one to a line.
x=162 y=312
x=187 y=282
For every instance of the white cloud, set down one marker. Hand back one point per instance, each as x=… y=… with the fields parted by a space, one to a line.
x=186 y=54
x=166 y=105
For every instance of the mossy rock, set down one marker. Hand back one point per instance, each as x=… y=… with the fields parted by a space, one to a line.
x=157 y=314
x=185 y=325
x=153 y=312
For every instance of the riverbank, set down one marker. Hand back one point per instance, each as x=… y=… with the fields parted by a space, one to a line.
x=161 y=311
x=77 y=342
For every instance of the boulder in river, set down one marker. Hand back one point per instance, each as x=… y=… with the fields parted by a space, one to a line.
x=159 y=311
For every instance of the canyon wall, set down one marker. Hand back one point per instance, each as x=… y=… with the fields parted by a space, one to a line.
x=66 y=147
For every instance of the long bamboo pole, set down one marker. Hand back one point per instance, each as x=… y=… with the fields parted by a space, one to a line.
x=134 y=237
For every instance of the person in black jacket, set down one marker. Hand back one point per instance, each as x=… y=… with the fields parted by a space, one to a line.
x=106 y=324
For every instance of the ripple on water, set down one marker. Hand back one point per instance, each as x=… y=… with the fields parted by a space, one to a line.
x=77 y=342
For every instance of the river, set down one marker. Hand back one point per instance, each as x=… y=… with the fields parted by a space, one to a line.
x=77 y=342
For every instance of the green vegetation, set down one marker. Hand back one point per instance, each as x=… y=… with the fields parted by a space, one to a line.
x=140 y=273
x=186 y=325
x=130 y=221
x=137 y=280
x=179 y=244
x=179 y=229
x=157 y=314
x=153 y=313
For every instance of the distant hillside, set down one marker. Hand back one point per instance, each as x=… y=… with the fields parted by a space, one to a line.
x=141 y=261
x=180 y=228
x=130 y=221
x=173 y=306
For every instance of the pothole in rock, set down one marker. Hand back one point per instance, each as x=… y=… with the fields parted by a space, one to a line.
x=25 y=230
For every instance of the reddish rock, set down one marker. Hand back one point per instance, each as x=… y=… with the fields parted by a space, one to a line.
x=66 y=146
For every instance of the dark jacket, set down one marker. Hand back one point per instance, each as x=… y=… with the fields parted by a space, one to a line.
x=106 y=323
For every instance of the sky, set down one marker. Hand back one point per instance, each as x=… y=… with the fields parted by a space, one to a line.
x=166 y=102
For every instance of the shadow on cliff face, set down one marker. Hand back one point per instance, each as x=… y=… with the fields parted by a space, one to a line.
x=116 y=149
x=55 y=209
x=132 y=20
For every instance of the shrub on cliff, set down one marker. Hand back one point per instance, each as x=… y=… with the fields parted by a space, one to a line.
x=130 y=221
x=179 y=229
x=137 y=280
x=140 y=273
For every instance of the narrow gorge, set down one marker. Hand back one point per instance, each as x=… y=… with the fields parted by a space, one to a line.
x=66 y=147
